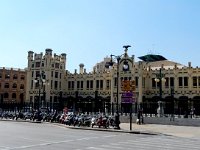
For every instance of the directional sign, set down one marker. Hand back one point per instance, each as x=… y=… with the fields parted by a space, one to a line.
x=127 y=85
x=128 y=97
x=127 y=100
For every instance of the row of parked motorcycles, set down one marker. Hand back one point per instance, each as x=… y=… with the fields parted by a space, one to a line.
x=67 y=119
x=88 y=121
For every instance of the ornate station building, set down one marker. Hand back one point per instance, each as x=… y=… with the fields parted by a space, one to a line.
x=157 y=81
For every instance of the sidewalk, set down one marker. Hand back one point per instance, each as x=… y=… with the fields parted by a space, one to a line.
x=180 y=131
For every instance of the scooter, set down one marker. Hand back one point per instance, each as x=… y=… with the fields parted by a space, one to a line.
x=93 y=121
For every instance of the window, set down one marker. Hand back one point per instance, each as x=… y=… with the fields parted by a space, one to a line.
x=56 y=74
x=0 y=75
x=185 y=81
x=97 y=84
x=69 y=84
x=81 y=84
x=115 y=83
x=172 y=81
x=21 y=86
x=198 y=81
x=22 y=77
x=88 y=84
x=7 y=76
x=194 y=79
x=37 y=64
x=32 y=74
x=51 y=73
x=167 y=82
x=78 y=84
x=57 y=65
x=14 y=95
x=15 y=76
x=153 y=82
x=107 y=84
x=5 y=95
x=55 y=84
x=55 y=99
x=72 y=84
x=14 y=86
x=180 y=81
x=101 y=84
x=6 y=85
x=136 y=81
x=91 y=84
x=37 y=84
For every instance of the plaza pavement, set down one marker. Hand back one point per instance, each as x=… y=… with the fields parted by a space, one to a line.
x=171 y=130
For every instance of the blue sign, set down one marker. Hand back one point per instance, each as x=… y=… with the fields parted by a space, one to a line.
x=128 y=97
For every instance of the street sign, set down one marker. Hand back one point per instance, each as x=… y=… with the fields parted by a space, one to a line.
x=127 y=94
x=127 y=100
x=128 y=97
x=127 y=85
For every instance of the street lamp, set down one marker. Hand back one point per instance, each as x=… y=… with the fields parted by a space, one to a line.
x=160 y=77
x=40 y=82
x=125 y=68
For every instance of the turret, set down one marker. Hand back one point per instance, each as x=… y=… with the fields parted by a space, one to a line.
x=48 y=51
x=81 y=68
x=30 y=58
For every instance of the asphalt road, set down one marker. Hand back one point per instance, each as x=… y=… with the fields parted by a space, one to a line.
x=45 y=136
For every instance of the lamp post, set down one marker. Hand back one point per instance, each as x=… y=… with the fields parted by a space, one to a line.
x=125 y=68
x=159 y=79
x=40 y=81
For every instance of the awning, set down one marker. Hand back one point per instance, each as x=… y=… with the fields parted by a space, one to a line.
x=152 y=58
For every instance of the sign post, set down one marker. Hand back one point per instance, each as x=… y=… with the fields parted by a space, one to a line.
x=128 y=95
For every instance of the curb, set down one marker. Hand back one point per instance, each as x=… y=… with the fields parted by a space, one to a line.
x=89 y=128
x=107 y=130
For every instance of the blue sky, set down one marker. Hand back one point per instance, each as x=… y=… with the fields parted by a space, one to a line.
x=89 y=30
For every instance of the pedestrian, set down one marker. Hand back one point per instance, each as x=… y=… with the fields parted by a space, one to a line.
x=138 y=117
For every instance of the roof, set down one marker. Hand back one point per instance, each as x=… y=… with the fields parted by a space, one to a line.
x=152 y=58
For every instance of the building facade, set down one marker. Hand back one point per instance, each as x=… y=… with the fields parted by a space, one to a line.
x=12 y=86
x=45 y=75
x=175 y=85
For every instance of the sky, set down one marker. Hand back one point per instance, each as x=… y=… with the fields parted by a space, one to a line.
x=89 y=30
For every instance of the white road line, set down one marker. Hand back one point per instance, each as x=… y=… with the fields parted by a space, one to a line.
x=96 y=148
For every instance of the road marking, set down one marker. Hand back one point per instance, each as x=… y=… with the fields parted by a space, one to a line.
x=96 y=148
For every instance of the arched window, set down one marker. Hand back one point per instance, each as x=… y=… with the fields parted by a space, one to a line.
x=5 y=95
x=14 y=86
x=22 y=77
x=6 y=85
x=21 y=86
x=14 y=95
x=15 y=76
